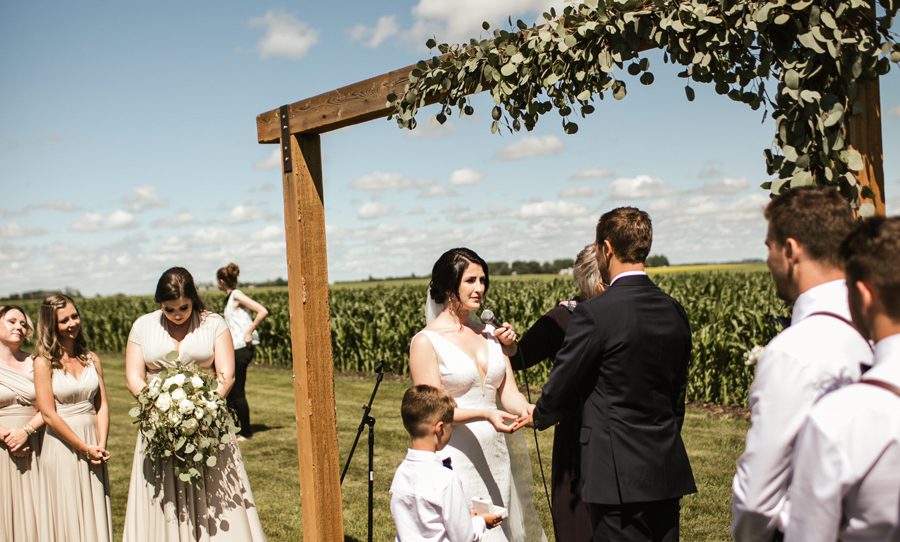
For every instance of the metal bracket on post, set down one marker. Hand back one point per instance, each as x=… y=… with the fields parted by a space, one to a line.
x=284 y=119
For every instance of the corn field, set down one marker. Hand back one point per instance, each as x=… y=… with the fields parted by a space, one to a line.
x=729 y=312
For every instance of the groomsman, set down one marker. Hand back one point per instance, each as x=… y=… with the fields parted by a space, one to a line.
x=847 y=461
x=820 y=351
x=627 y=352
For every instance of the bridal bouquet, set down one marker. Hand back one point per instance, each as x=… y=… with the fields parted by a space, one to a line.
x=182 y=417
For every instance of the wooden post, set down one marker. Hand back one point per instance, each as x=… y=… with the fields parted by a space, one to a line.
x=865 y=136
x=313 y=369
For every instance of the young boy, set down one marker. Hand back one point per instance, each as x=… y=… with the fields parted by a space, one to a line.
x=427 y=500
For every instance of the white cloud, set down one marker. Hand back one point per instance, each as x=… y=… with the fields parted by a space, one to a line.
x=436 y=191
x=210 y=235
x=58 y=205
x=894 y=112
x=268 y=233
x=465 y=176
x=373 y=209
x=557 y=209
x=710 y=170
x=385 y=28
x=244 y=213
x=182 y=218
x=285 y=36
x=387 y=181
x=642 y=186
x=273 y=161
x=142 y=198
x=531 y=146
x=578 y=192
x=460 y=20
x=12 y=230
x=726 y=186
x=592 y=173
x=90 y=222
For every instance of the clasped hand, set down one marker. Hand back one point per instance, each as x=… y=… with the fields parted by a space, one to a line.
x=504 y=422
x=96 y=454
x=16 y=440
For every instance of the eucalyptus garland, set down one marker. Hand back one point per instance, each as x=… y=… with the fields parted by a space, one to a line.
x=817 y=53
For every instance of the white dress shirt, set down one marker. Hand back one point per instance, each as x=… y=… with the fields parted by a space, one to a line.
x=847 y=461
x=624 y=274
x=428 y=503
x=815 y=355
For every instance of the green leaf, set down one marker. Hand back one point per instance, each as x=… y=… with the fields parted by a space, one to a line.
x=781 y=19
x=619 y=90
x=646 y=78
x=486 y=25
x=508 y=69
x=431 y=43
x=792 y=79
x=854 y=160
x=689 y=92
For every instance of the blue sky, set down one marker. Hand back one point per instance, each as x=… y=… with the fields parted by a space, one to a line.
x=128 y=145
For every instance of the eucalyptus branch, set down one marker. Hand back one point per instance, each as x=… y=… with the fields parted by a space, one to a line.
x=817 y=52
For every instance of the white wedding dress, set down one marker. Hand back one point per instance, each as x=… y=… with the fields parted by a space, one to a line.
x=489 y=464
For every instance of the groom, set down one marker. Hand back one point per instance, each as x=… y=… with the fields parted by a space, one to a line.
x=626 y=351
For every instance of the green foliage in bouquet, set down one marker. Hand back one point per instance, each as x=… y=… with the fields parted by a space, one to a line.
x=182 y=418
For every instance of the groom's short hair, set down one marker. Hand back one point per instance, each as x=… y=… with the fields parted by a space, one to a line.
x=871 y=254
x=423 y=406
x=629 y=231
x=817 y=217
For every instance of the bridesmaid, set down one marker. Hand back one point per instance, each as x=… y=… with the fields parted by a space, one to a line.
x=68 y=380
x=161 y=507
x=19 y=426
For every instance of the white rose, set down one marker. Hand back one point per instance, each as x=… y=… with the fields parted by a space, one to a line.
x=196 y=381
x=190 y=426
x=198 y=413
x=176 y=379
x=211 y=406
x=174 y=417
x=178 y=395
x=186 y=406
x=164 y=402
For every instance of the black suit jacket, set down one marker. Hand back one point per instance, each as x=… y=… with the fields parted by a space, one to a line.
x=627 y=351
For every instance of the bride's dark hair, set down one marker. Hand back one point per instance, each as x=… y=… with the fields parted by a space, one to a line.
x=448 y=271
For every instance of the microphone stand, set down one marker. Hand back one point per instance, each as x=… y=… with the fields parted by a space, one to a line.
x=368 y=421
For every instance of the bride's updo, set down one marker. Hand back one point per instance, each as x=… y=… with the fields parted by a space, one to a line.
x=448 y=271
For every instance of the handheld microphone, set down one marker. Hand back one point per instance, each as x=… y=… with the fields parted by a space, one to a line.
x=487 y=317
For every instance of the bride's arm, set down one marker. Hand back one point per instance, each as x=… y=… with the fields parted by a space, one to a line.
x=510 y=396
x=423 y=368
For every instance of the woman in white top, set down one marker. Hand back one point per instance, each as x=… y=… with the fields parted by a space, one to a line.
x=243 y=332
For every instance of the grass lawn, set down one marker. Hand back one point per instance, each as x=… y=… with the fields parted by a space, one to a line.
x=713 y=443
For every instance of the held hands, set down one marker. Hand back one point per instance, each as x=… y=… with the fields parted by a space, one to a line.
x=15 y=439
x=525 y=419
x=96 y=454
x=499 y=419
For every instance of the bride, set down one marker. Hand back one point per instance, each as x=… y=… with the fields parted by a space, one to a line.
x=466 y=358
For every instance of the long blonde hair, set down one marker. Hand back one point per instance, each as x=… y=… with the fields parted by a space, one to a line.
x=47 y=342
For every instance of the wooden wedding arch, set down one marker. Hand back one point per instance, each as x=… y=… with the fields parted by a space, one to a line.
x=296 y=127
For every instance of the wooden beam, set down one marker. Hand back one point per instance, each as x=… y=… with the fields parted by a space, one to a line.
x=313 y=367
x=864 y=135
x=353 y=104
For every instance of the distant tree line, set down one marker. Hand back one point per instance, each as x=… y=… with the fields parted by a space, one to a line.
x=41 y=294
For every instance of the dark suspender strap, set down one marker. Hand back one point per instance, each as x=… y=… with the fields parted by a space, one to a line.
x=881 y=384
x=842 y=319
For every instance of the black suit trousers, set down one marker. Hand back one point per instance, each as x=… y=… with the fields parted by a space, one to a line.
x=636 y=522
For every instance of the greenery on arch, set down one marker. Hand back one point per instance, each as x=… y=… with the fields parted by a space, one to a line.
x=818 y=53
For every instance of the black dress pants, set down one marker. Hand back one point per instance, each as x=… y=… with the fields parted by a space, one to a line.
x=237 y=398
x=636 y=522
